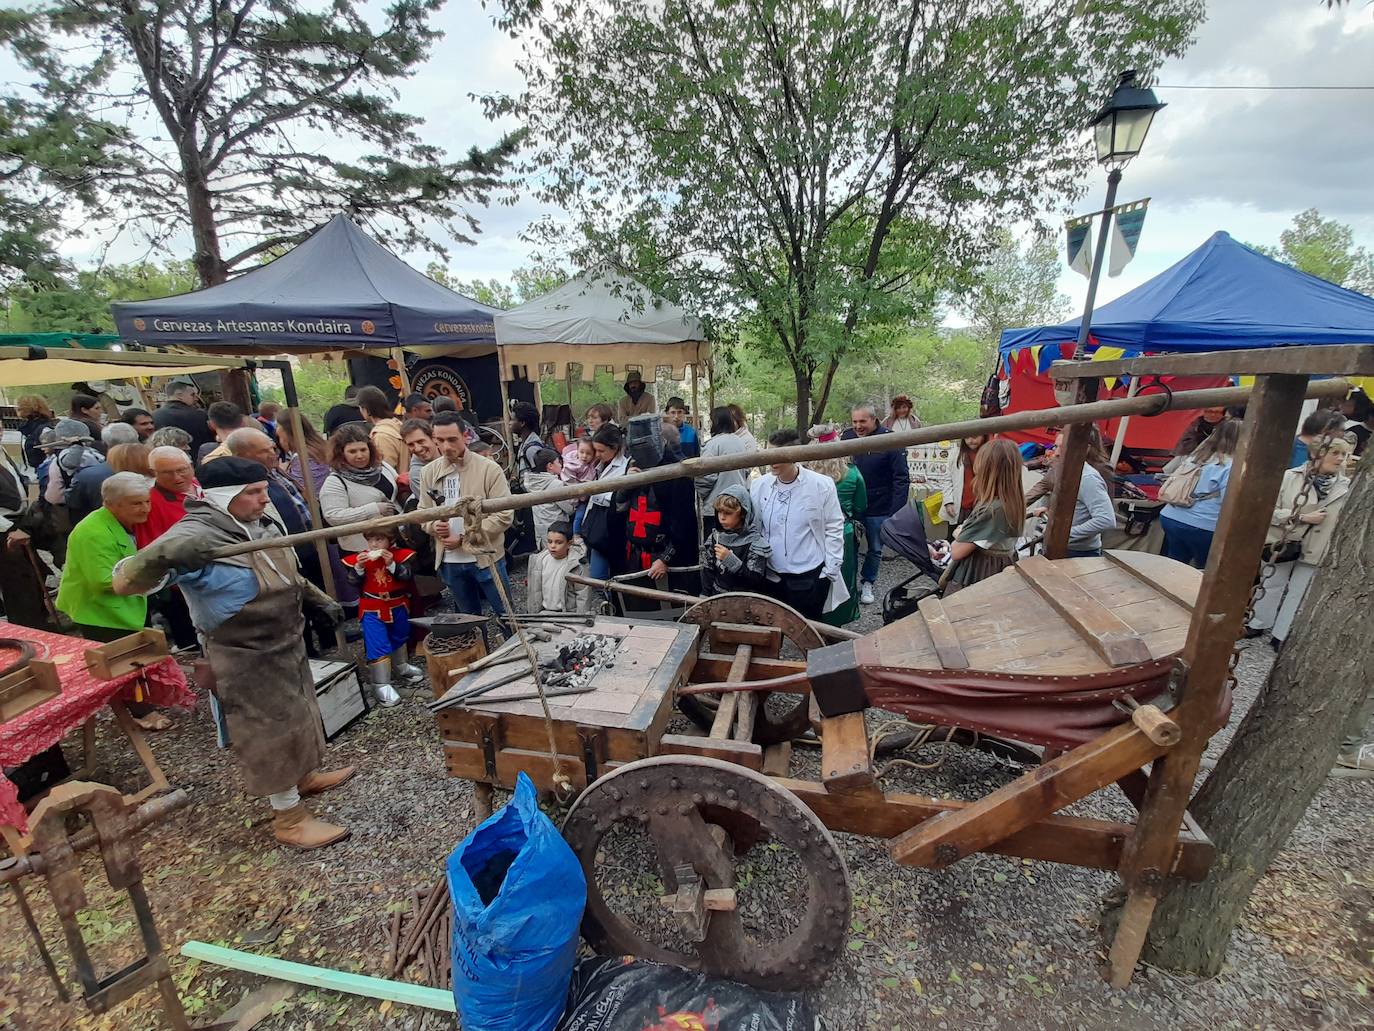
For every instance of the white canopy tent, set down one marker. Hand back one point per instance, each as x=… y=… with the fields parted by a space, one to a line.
x=598 y=321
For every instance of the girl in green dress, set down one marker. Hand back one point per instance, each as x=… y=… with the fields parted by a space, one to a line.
x=849 y=484
x=986 y=542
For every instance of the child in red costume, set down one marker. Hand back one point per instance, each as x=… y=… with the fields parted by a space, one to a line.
x=383 y=573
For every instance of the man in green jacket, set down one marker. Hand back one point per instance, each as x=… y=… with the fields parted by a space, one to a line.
x=95 y=545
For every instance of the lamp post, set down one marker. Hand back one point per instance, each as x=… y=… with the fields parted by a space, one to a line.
x=1119 y=131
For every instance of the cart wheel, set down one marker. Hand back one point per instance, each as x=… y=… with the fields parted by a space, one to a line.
x=788 y=716
x=679 y=853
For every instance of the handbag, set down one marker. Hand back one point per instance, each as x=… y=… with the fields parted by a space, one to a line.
x=1178 y=488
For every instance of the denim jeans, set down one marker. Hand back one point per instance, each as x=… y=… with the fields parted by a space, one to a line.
x=873 y=545
x=470 y=584
x=1186 y=543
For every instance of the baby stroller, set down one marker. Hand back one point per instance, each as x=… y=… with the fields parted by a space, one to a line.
x=905 y=533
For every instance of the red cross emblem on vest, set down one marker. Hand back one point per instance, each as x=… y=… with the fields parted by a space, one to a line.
x=642 y=518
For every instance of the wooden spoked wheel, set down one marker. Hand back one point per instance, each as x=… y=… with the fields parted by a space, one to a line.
x=789 y=715
x=683 y=857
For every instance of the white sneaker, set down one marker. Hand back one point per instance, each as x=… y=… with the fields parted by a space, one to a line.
x=866 y=594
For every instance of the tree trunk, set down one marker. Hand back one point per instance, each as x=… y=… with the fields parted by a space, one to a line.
x=208 y=259
x=1283 y=748
x=803 y=379
x=828 y=381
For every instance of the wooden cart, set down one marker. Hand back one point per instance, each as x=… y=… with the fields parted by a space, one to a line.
x=1131 y=634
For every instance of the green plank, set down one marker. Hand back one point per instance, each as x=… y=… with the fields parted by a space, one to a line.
x=321 y=977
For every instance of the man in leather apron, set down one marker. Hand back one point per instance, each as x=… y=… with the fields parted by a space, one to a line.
x=248 y=611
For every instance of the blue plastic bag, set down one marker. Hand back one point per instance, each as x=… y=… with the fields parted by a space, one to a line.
x=518 y=894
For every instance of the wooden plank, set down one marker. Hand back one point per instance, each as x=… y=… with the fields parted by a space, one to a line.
x=1116 y=642
x=1311 y=360
x=946 y=641
x=845 y=763
x=1074 y=840
x=745 y=753
x=1027 y=800
x=402 y=992
x=1070 y=472
x=745 y=712
x=714 y=667
x=1260 y=462
x=766 y=640
x=1148 y=618
x=725 y=712
x=1164 y=584
x=777 y=758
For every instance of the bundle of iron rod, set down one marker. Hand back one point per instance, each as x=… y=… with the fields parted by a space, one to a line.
x=1141 y=404
x=423 y=936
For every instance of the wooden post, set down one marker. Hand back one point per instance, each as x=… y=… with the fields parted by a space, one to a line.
x=1069 y=471
x=505 y=420
x=1260 y=461
x=312 y=501
x=234 y=388
x=398 y=355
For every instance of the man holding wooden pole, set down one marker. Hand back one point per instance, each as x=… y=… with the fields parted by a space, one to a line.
x=249 y=610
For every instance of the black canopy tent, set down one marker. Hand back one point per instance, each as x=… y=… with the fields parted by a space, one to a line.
x=337 y=290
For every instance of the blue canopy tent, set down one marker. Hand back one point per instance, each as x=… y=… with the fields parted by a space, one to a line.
x=1222 y=296
x=337 y=290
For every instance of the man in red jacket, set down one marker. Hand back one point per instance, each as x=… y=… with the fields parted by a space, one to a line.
x=174 y=481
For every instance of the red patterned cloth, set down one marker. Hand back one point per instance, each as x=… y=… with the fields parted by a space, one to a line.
x=83 y=695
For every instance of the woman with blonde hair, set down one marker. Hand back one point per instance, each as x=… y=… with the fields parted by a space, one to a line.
x=35 y=417
x=131 y=458
x=986 y=542
x=853 y=494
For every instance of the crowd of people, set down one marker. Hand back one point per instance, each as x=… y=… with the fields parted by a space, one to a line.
x=132 y=509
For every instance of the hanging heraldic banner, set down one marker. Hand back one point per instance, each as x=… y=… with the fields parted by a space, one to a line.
x=1126 y=227
x=1080 y=239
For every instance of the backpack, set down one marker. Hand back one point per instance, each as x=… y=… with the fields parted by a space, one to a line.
x=1179 y=487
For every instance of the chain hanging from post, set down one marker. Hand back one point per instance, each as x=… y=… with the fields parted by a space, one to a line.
x=1270 y=564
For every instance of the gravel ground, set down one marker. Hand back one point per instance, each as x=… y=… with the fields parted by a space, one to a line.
x=987 y=943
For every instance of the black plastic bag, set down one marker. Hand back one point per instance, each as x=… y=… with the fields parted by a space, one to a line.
x=618 y=993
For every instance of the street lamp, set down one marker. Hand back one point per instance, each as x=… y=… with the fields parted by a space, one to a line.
x=1119 y=131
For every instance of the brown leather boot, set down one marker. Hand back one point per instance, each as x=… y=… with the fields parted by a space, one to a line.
x=316 y=781
x=299 y=829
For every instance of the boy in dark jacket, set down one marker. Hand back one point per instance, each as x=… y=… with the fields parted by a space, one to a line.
x=735 y=556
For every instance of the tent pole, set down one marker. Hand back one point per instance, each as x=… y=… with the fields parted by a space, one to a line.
x=1125 y=421
x=312 y=501
x=398 y=355
x=572 y=416
x=505 y=420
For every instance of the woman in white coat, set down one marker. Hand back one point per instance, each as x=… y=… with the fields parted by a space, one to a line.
x=1310 y=537
x=359 y=486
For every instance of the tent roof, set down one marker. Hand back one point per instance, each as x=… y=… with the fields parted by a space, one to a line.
x=32 y=365
x=337 y=290
x=1223 y=295
x=597 y=320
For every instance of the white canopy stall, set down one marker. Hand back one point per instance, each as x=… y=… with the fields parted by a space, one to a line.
x=599 y=320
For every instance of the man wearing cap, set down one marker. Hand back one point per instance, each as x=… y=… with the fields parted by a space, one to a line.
x=248 y=611
x=182 y=410
x=636 y=401
x=675 y=412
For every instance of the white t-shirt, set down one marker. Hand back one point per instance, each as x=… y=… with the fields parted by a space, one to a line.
x=453 y=490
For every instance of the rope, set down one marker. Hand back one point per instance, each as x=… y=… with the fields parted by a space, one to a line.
x=924 y=732
x=477 y=541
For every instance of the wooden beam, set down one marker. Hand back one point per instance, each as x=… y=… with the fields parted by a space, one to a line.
x=744 y=753
x=1260 y=462
x=1145 y=404
x=713 y=667
x=1307 y=360
x=947 y=646
x=1112 y=639
x=845 y=763
x=1072 y=840
x=1158 y=583
x=1068 y=473
x=1027 y=800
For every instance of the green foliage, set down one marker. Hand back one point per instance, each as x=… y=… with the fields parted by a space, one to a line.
x=813 y=173
x=319 y=386
x=1326 y=248
x=526 y=283
x=1011 y=289
x=239 y=88
x=84 y=307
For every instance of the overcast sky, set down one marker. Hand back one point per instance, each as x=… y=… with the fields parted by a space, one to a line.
x=1241 y=161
